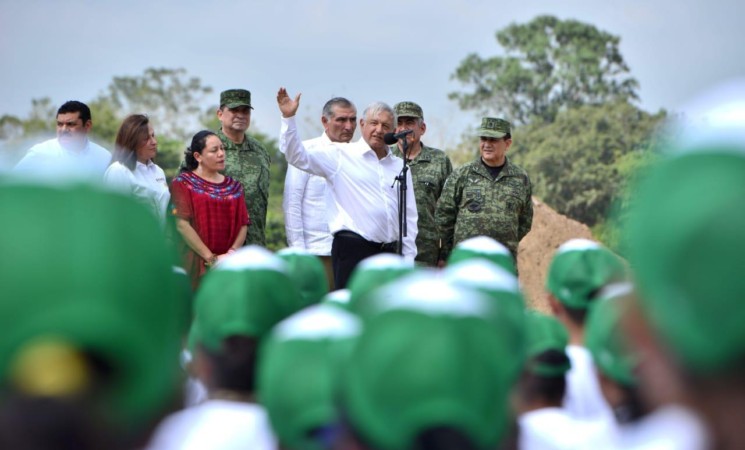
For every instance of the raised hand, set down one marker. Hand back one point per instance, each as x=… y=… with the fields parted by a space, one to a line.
x=287 y=106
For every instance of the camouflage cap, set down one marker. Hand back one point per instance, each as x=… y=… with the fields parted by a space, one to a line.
x=233 y=98
x=408 y=109
x=494 y=128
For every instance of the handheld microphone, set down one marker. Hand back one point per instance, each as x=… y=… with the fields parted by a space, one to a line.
x=392 y=138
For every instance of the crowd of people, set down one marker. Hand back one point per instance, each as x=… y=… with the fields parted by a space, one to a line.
x=379 y=326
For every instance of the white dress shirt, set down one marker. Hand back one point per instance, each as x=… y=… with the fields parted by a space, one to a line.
x=305 y=205
x=365 y=197
x=147 y=183
x=49 y=159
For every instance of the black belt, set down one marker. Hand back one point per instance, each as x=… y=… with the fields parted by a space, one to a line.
x=385 y=246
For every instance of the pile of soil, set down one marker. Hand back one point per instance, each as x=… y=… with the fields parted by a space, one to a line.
x=550 y=230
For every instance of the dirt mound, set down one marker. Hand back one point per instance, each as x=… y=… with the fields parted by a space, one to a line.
x=550 y=230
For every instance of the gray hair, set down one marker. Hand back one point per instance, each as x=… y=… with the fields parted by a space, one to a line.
x=328 y=108
x=375 y=108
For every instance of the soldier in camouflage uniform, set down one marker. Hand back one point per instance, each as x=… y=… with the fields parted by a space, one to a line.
x=246 y=160
x=430 y=167
x=490 y=196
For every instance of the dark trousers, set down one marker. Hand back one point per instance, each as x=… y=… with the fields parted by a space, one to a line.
x=348 y=249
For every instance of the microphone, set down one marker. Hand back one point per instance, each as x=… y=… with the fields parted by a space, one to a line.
x=392 y=138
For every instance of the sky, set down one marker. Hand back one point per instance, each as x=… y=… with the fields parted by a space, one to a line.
x=389 y=50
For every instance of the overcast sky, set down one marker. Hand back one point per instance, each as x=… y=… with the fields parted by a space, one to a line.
x=385 y=50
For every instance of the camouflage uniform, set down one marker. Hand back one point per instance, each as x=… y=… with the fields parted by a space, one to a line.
x=248 y=163
x=429 y=170
x=474 y=204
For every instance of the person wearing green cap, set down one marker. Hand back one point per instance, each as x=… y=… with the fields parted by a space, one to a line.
x=299 y=367
x=430 y=370
x=305 y=201
x=307 y=272
x=246 y=159
x=362 y=178
x=543 y=423
x=490 y=196
x=687 y=247
x=236 y=306
x=430 y=167
x=483 y=247
x=579 y=269
x=91 y=324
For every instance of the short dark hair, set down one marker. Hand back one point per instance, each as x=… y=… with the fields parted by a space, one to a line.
x=73 y=106
x=198 y=142
x=533 y=386
x=234 y=365
x=328 y=108
x=130 y=133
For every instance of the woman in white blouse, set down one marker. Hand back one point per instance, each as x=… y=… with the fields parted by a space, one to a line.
x=132 y=169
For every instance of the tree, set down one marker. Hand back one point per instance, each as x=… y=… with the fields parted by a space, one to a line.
x=172 y=99
x=579 y=164
x=550 y=65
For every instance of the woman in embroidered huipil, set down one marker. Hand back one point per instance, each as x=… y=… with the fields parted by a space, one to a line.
x=209 y=208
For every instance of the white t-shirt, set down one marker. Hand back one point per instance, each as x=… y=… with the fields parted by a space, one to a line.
x=50 y=160
x=216 y=425
x=147 y=183
x=554 y=429
x=584 y=399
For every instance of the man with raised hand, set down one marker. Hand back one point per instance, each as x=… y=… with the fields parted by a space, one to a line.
x=361 y=178
x=305 y=199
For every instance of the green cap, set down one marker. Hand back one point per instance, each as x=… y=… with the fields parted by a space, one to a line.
x=604 y=337
x=408 y=109
x=298 y=372
x=545 y=333
x=503 y=288
x=579 y=269
x=432 y=356
x=486 y=248
x=687 y=245
x=308 y=274
x=338 y=298
x=246 y=294
x=106 y=288
x=494 y=128
x=372 y=273
x=233 y=98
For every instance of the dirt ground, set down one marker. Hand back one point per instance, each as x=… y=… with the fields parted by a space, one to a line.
x=550 y=230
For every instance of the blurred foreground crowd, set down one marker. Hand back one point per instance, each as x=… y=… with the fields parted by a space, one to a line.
x=104 y=344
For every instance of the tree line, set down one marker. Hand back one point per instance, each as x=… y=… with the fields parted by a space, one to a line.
x=563 y=84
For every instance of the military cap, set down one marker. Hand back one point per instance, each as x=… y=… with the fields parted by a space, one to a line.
x=408 y=109
x=233 y=98
x=494 y=128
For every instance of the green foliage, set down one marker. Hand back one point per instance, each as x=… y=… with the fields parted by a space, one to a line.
x=168 y=96
x=579 y=164
x=276 y=238
x=550 y=65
